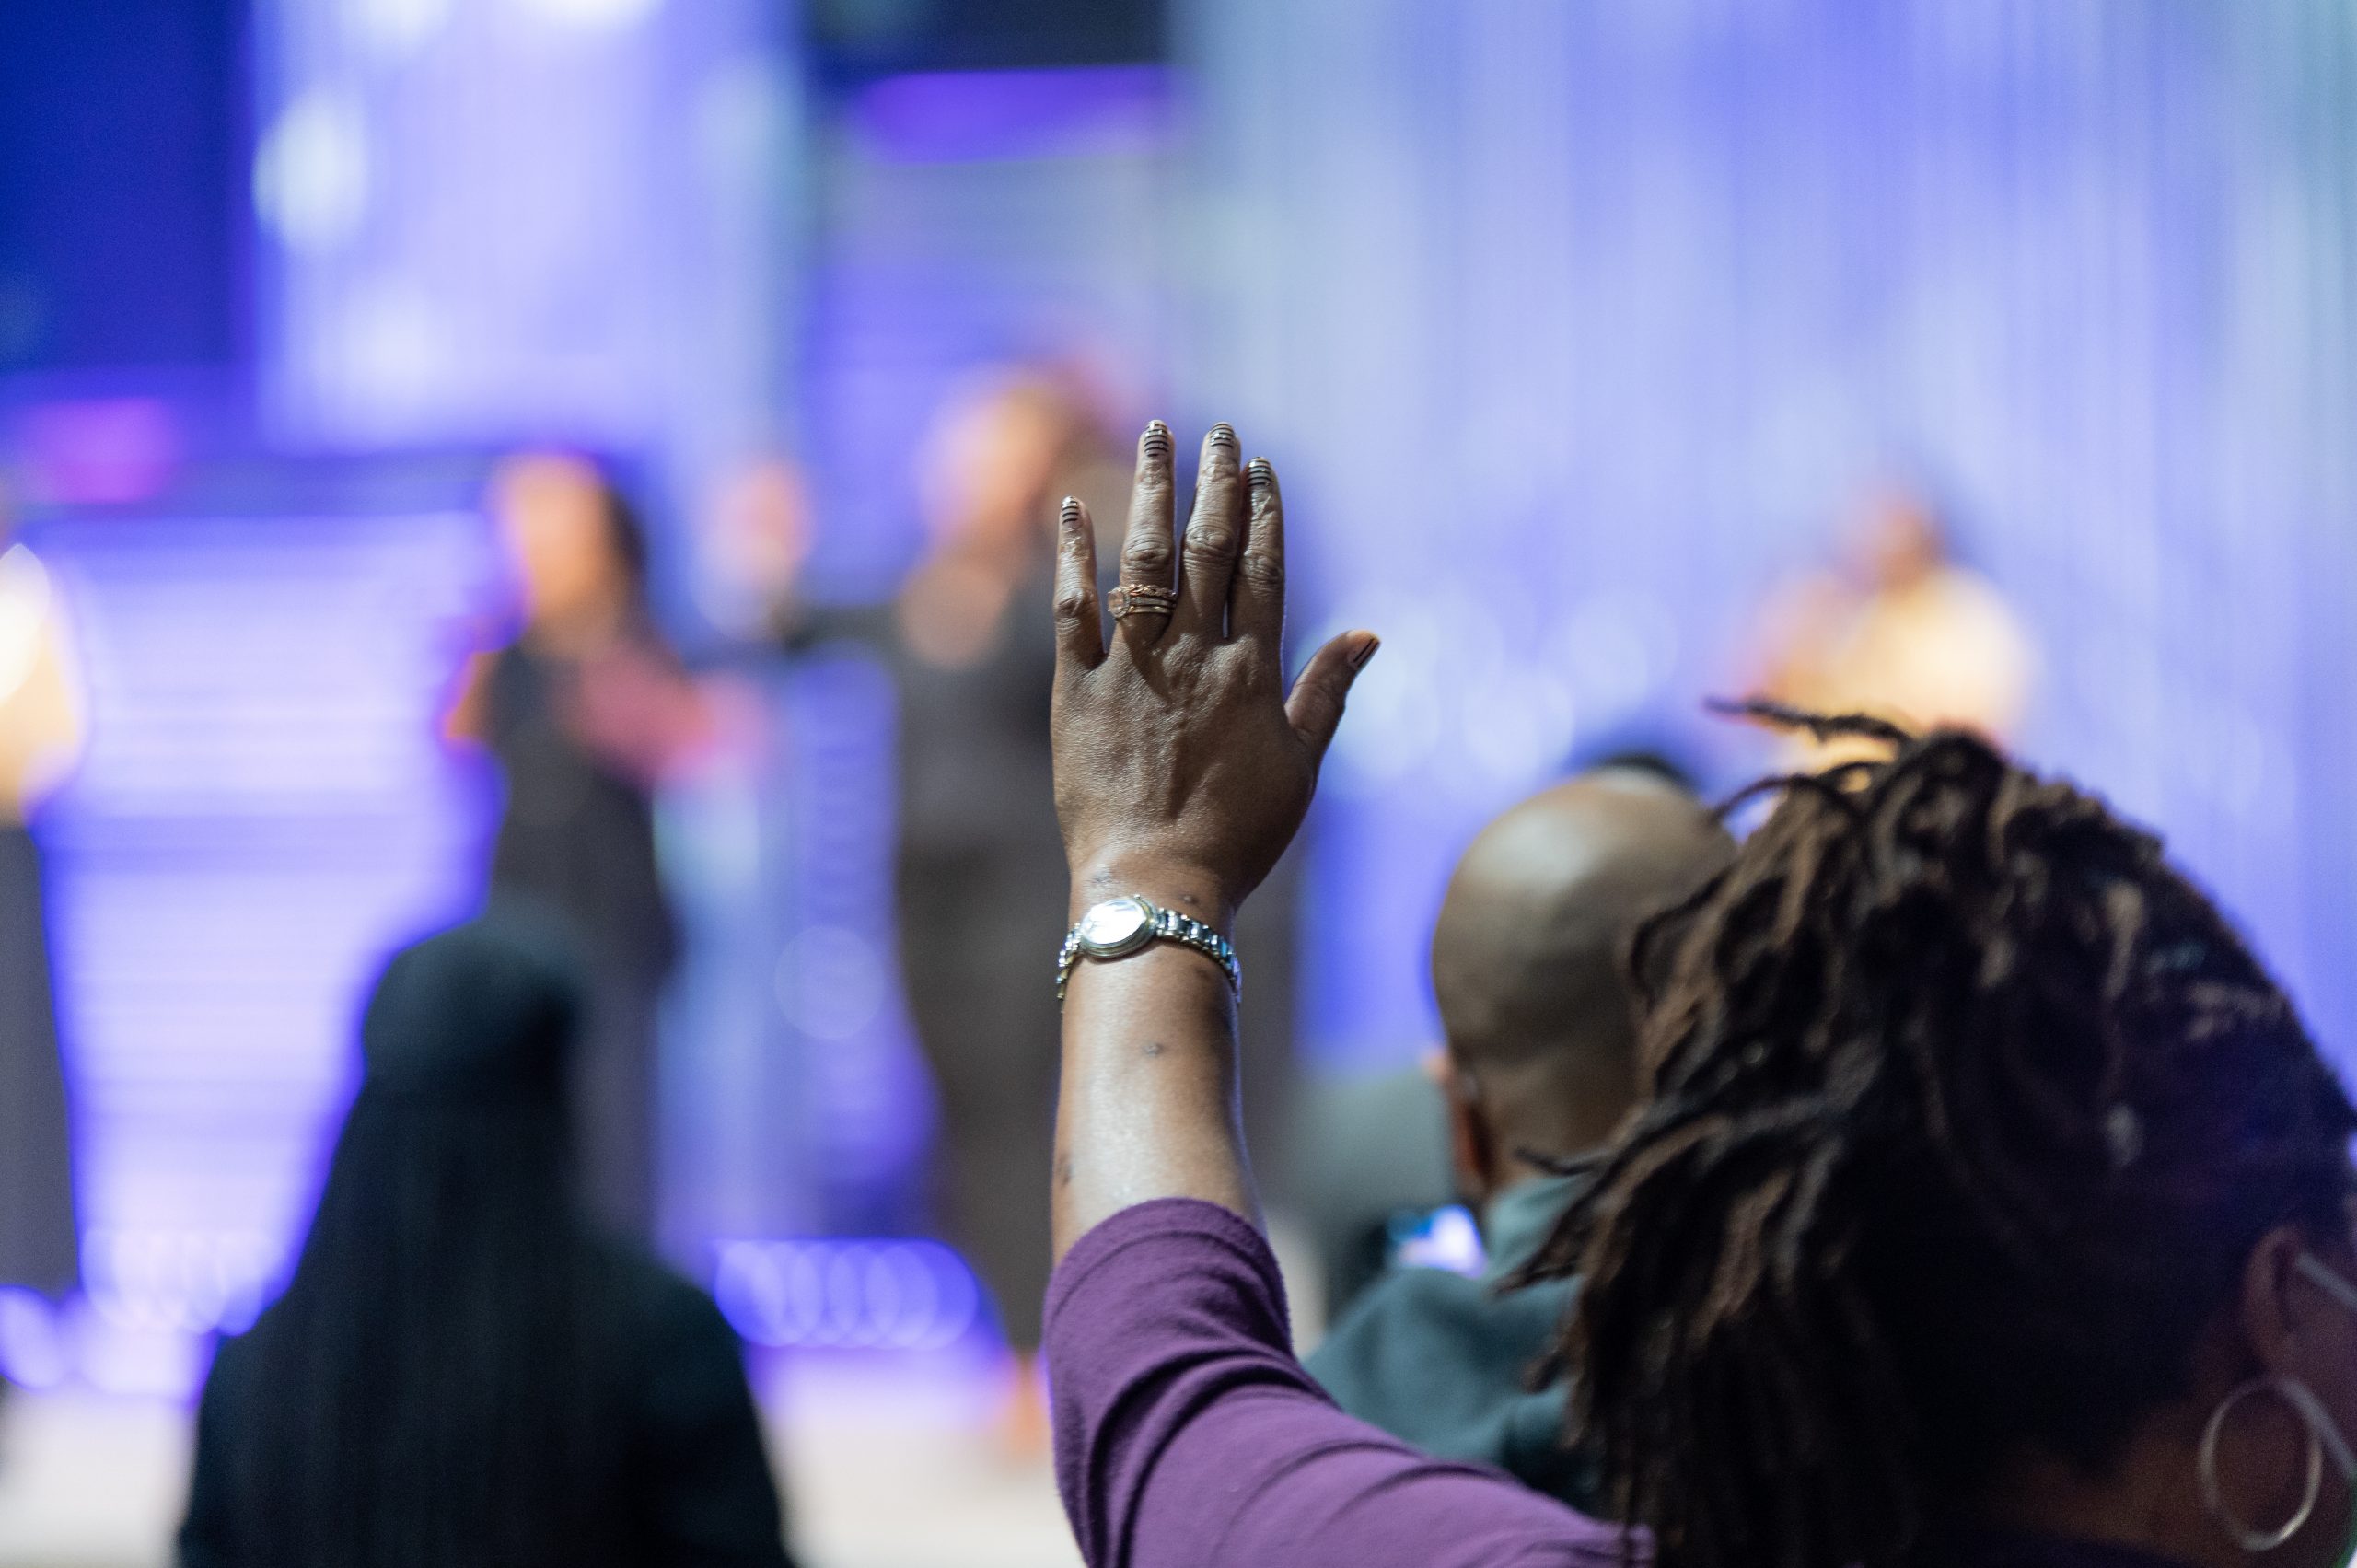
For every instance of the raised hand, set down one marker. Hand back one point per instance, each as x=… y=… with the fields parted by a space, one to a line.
x=1182 y=771
x=1180 y=764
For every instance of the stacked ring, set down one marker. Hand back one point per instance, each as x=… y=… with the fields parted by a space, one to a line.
x=1140 y=599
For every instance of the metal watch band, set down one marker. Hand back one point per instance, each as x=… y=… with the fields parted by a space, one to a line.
x=1169 y=925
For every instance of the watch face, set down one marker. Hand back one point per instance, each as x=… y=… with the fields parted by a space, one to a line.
x=1115 y=926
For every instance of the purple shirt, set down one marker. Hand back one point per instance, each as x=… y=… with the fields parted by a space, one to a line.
x=1187 y=1433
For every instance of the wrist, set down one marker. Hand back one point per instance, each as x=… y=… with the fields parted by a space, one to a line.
x=1190 y=888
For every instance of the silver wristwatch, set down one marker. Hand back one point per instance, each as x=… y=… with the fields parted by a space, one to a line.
x=1119 y=927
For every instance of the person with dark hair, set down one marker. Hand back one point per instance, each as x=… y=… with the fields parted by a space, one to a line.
x=1990 y=1206
x=466 y=1369
x=1540 y=1067
x=586 y=710
x=1989 y=1177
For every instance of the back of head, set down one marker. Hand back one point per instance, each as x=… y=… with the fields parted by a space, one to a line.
x=489 y=1009
x=1968 y=1109
x=424 y=1389
x=1528 y=953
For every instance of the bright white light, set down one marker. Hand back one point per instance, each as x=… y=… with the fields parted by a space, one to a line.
x=832 y=981
x=739 y=112
x=1447 y=1238
x=593 y=16
x=395 y=27
x=1617 y=648
x=24 y=611
x=1516 y=722
x=32 y=1350
x=1399 y=706
x=177 y=1282
x=860 y=1294
x=395 y=344
x=311 y=172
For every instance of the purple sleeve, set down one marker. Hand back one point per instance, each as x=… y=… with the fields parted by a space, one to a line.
x=1187 y=1433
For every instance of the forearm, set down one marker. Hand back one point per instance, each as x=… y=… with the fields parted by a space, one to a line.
x=1148 y=1107
x=1182 y=770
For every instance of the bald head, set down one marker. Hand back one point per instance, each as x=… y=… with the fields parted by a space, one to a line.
x=1526 y=955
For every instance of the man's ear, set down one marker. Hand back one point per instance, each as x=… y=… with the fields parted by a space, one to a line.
x=1472 y=1148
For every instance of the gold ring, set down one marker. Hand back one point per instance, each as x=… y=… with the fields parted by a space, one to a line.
x=1140 y=599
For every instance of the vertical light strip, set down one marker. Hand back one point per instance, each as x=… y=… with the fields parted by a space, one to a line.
x=262 y=813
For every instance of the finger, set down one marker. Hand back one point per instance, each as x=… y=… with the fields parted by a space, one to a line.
x=1315 y=706
x=1080 y=635
x=1146 y=550
x=1256 y=604
x=1207 y=555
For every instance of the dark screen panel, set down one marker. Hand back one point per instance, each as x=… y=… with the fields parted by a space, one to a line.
x=122 y=187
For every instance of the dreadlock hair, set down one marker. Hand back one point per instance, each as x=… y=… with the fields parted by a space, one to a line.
x=1967 y=1110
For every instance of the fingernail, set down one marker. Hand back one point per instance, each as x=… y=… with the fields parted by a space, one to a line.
x=1223 y=435
x=1158 y=439
x=1260 y=475
x=1366 y=652
x=1072 y=509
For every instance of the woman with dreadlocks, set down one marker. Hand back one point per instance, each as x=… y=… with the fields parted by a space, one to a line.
x=1992 y=1209
x=465 y=1372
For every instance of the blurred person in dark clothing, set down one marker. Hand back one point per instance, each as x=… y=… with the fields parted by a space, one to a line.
x=40 y=734
x=980 y=874
x=585 y=711
x=466 y=1369
x=1540 y=1067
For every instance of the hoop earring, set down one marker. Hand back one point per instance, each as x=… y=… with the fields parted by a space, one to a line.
x=2212 y=1495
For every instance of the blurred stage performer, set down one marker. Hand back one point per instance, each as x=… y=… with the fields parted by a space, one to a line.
x=751 y=550
x=41 y=736
x=1899 y=630
x=981 y=875
x=585 y=711
x=467 y=1370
